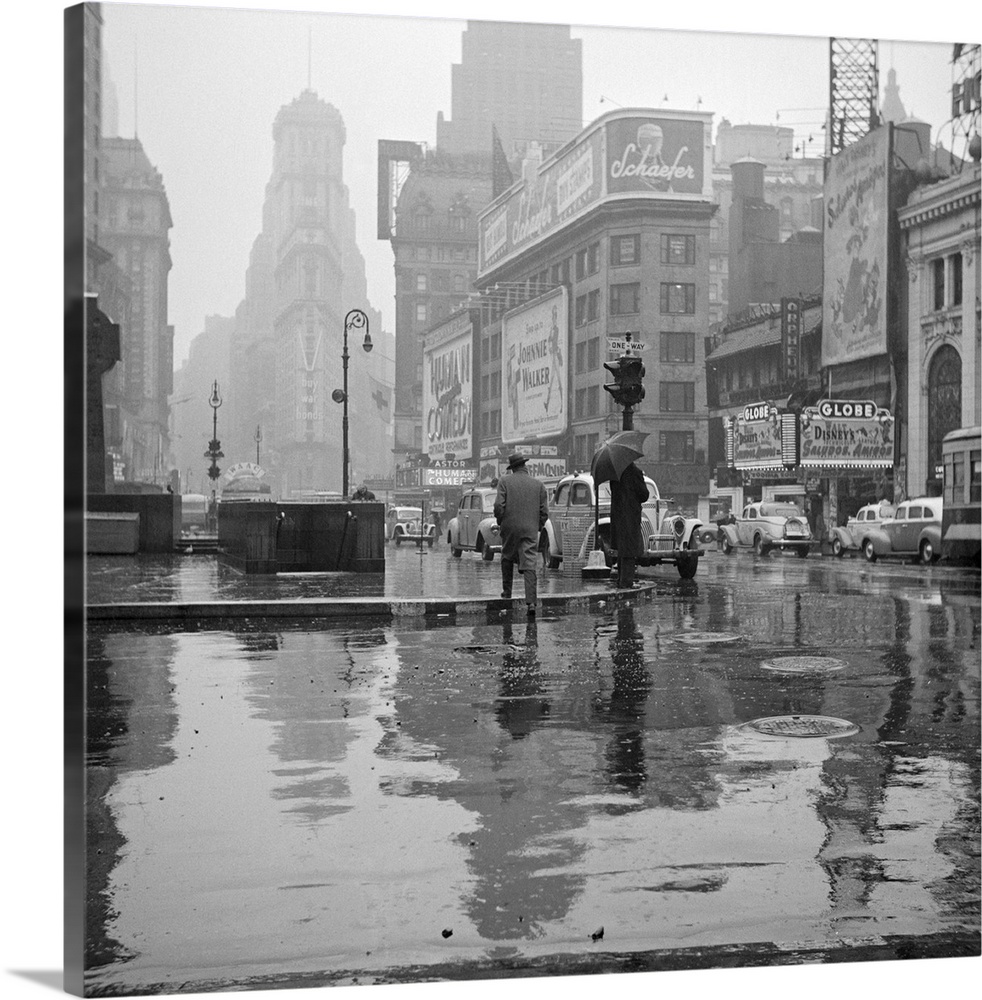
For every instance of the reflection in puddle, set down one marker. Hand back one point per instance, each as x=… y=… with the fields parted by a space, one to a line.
x=285 y=799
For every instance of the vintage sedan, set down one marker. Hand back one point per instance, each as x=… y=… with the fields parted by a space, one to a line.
x=474 y=526
x=669 y=537
x=913 y=531
x=769 y=524
x=853 y=534
x=405 y=524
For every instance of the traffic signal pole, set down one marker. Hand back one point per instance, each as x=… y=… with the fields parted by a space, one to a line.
x=627 y=389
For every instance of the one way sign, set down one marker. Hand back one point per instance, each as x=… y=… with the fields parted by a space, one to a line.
x=619 y=344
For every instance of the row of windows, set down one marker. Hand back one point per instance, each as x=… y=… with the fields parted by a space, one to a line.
x=441 y=282
x=676 y=249
x=676 y=299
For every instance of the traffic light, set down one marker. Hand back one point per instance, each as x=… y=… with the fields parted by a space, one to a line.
x=627 y=388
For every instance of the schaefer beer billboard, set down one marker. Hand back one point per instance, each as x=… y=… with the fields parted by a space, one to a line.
x=630 y=153
x=448 y=396
x=536 y=358
x=854 y=321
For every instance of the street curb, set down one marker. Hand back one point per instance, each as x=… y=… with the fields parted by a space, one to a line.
x=356 y=607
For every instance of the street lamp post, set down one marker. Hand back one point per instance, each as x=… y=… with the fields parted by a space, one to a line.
x=214 y=451
x=257 y=439
x=355 y=319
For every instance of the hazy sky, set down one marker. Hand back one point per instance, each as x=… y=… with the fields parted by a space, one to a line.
x=202 y=86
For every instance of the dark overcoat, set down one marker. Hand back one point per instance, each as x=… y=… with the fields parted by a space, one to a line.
x=626 y=496
x=522 y=509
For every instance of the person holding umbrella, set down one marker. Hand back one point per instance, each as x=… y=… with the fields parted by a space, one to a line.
x=615 y=461
x=521 y=509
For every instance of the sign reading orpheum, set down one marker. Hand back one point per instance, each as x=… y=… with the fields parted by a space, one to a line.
x=630 y=153
x=535 y=359
x=448 y=369
x=854 y=320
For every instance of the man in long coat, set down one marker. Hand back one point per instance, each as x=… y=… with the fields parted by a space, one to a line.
x=521 y=509
x=626 y=497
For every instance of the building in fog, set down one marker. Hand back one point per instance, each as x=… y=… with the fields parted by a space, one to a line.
x=525 y=82
x=134 y=223
x=305 y=274
x=525 y=79
x=792 y=186
x=607 y=237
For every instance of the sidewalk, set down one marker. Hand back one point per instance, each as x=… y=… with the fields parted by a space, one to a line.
x=415 y=582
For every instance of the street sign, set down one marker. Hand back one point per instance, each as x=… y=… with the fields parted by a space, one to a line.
x=619 y=344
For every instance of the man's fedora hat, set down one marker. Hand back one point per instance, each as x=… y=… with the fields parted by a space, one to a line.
x=516 y=461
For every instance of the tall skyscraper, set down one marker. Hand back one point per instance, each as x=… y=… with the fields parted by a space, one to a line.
x=524 y=81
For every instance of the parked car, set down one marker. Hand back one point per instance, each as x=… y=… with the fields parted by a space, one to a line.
x=405 y=524
x=669 y=537
x=853 y=534
x=474 y=527
x=914 y=531
x=769 y=524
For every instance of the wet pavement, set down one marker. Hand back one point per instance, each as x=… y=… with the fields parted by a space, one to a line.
x=276 y=802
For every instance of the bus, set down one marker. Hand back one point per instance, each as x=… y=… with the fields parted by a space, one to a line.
x=961 y=530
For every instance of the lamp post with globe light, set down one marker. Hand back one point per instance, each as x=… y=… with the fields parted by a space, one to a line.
x=354 y=320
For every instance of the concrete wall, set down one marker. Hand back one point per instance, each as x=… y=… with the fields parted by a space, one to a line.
x=160 y=515
x=332 y=536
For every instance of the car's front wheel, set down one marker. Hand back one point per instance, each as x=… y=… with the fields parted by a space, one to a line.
x=687 y=565
x=869 y=551
x=802 y=553
x=760 y=549
x=926 y=552
x=727 y=546
x=487 y=554
x=397 y=538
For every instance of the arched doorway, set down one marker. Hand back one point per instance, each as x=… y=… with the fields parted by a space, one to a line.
x=944 y=412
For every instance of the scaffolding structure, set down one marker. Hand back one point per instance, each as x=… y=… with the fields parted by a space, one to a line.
x=965 y=104
x=854 y=88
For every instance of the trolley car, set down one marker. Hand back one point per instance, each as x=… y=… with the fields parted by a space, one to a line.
x=961 y=530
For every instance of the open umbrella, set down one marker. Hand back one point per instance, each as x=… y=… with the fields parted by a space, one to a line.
x=616 y=454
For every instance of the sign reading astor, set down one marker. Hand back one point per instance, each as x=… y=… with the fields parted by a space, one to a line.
x=533 y=344
x=655 y=154
x=448 y=388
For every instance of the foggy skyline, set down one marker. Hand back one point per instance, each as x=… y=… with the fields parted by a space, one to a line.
x=202 y=86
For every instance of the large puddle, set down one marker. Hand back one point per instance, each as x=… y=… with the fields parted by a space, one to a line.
x=273 y=798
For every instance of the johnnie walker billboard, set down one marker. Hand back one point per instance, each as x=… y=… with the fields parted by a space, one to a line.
x=630 y=153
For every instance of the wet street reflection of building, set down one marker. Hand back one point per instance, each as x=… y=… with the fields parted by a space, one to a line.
x=289 y=797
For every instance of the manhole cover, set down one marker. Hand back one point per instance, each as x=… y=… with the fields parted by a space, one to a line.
x=803 y=726
x=705 y=638
x=803 y=664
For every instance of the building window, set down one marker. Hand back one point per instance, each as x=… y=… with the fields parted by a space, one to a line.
x=588 y=260
x=420 y=312
x=496 y=346
x=677 y=446
x=580 y=310
x=485 y=386
x=678 y=249
x=678 y=299
x=625 y=299
x=592 y=400
x=580 y=357
x=944 y=402
x=485 y=349
x=459 y=283
x=677 y=397
x=420 y=282
x=625 y=250
x=495 y=391
x=593 y=305
x=678 y=348
x=579 y=407
x=938 y=268
x=593 y=354
x=955 y=261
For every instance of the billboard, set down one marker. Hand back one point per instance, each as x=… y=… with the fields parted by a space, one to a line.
x=535 y=359
x=847 y=434
x=624 y=154
x=448 y=389
x=854 y=322
x=757 y=438
x=650 y=154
